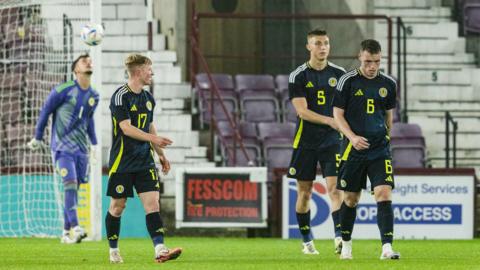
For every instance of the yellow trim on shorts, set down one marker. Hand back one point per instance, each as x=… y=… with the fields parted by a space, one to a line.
x=298 y=135
x=347 y=151
x=117 y=159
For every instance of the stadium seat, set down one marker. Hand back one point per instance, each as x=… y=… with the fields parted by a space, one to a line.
x=259 y=106
x=408 y=146
x=254 y=83
x=253 y=150
x=269 y=131
x=403 y=133
x=277 y=154
x=223 y=81
x=282 y=82
x=471 y=17
x=229 y=100
x=288 y=111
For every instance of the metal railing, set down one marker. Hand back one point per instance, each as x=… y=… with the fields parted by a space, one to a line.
x=67 y=46
x=216 y=96
x=449 y=120
x=402 y=65
x=197 y=16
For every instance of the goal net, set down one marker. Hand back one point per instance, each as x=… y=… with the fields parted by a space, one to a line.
x=38 y=41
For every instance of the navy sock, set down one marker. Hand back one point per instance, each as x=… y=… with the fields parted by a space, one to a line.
x=303 y=220
x=347 y=218
x=336 y=223
x=155 y=227
x=385 y=221
x=112 y=224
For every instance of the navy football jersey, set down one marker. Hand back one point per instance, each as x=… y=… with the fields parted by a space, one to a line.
x=317 y=87
x=365 y=102
x=128 y=154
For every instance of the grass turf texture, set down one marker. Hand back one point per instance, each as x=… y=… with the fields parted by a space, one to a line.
x=236 y=253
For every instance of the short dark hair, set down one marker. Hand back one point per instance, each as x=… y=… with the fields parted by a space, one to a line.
x=316 y=32
x=370 y=45
x=74 y=64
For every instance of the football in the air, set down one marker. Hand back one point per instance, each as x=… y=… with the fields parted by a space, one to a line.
x=92 y=34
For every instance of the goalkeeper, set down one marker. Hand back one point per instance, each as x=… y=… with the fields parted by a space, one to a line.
x=72 y=105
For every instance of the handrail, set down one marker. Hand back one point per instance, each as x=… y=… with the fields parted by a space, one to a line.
x=449 y=120
x=197 y=16
x=402 y=67
x=215 y=91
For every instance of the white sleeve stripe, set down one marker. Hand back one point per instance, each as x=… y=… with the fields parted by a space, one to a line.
x=336 y=66
x=118 y=96
x=345 y=77
x=291 y=78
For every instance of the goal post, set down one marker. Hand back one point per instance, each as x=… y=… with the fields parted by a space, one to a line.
x=38 y=41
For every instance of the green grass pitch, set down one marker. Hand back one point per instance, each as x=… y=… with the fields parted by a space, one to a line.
x=236 y=253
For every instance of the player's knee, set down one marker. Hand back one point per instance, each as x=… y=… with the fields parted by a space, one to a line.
x=116 y=208
x=305 y=195
x=351 y=201
x=70 y=185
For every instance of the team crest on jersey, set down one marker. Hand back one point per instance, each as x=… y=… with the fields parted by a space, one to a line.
x=292 y=171
x=383 y=92
x=343 y=183
x=332 y=81
x=149 y=105
x=63 y=172
x=119 y=189
x=91 y=101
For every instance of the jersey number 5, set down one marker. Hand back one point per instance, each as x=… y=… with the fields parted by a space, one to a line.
x=321 y=97
x=370 y=106
x=142 y=116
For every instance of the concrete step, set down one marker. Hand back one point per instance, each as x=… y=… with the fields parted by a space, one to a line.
x=126 y=27
x=436 y=59
x=415 y=12
x=443 y=93
x=182 y=122
x=132 y=43
x=438 y=123
x=405 y=3
x=172 y=104
x=172 y=90
x=426 y=45
x=454 y=106
x=421 y=30
x=135 y=10
x=440 y=77
x=117 y=59
x=161 y=90
x=118 y=75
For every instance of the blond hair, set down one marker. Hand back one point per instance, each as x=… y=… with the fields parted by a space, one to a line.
x=135 y=60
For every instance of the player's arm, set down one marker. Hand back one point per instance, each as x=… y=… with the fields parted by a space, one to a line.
x=161 y=155
x=389 y=120
x=358 y=142
x=300 y=105
x=340 y=101
x=54 y=100
x=140 y=135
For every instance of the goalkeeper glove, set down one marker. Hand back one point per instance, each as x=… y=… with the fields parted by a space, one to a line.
x=34 y=144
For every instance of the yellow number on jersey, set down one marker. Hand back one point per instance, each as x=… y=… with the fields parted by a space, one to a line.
x=321 y=97
x=370 y=105
x=140 y=117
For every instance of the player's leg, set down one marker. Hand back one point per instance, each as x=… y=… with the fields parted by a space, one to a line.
x=303 y=167
x=380 y=173
x=81 y=166
x=119 y=188
x=65 y=165
x=330 y=160
x=148 y=188
x=352 y=177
